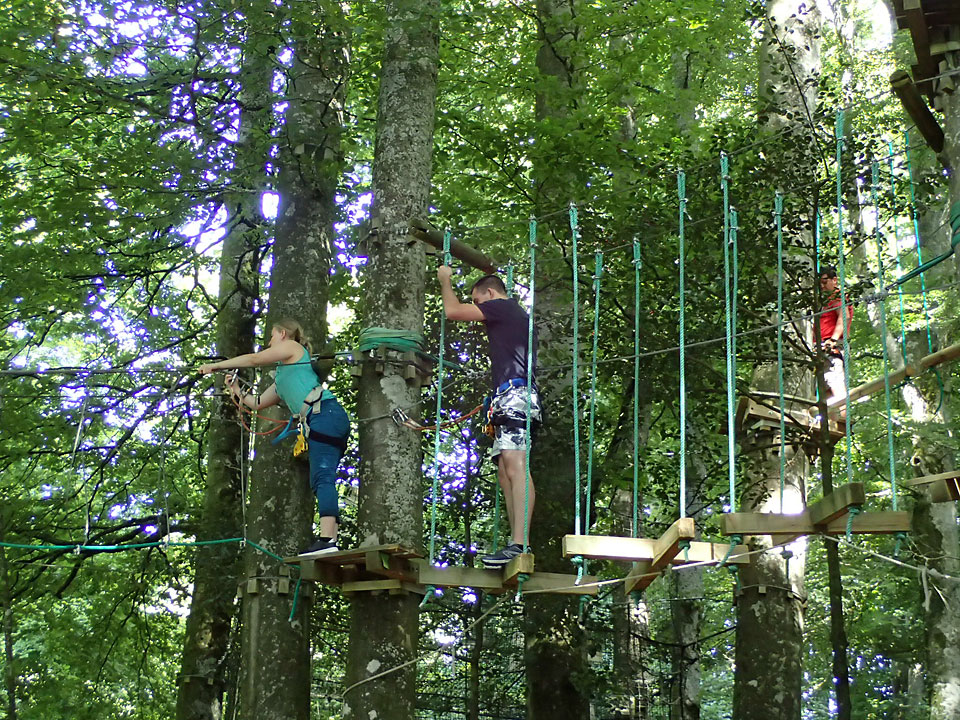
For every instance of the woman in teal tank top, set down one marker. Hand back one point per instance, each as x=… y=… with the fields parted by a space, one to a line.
x=328 y=422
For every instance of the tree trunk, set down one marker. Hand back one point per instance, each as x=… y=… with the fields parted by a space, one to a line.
x=218 y=568
x=275 y=680
x=6 y=605
x=555 y=653
x=769 y=599
x=383 y=632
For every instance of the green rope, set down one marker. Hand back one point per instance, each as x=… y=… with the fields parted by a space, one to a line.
x=901 y=537
x=529 y=442
x=844 y=314
x=575 y=235
x=735 y=271
x=637 y=263
x=591 y=441
x=852 y=512
x=399 y=340
x=816 y=250
x=296 y=596
x=731 y=377
x=734 y=541
x=682 y=197
x=919 y=270
x=896 y=254
x=875 y=192
x=778 y=211
x=510 y=280
x=78 y=547
x=437 y=432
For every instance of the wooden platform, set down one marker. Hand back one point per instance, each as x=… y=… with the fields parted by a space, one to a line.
x=929 y=23
x=398 y=569
x=753 y=415
x=943 y=487
x=827 y=516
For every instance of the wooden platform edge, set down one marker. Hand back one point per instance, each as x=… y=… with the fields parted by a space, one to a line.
x=624 y=549
x=868 y=523
x=836 y=504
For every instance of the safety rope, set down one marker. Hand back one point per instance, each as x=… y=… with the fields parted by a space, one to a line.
x=400 y=340
x=510 y=279
x=731 y=378
x=441 y=372
x=591 y=441
x=875 y=193
x=575 y=236
x=529 y=442
x=844 y=313
x=778 y=212
x=896 y=255
x=920 y=270
x=682 y=197
x=637 y=264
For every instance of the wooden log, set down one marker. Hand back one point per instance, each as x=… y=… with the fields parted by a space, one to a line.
x=607 y=547
x=948 y=354
x=836 y=504
x=796 y=525
x=915 y=106
x=424 y=231
x=872 y=386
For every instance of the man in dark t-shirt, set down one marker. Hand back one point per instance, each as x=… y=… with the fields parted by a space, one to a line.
x=507 y=325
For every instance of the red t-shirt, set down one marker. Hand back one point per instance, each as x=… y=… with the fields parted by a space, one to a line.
x=828 y=320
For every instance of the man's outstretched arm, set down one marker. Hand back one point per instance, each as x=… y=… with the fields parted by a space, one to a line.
x=452 y=307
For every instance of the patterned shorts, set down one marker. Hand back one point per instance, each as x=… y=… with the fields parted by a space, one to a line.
x=511 y=404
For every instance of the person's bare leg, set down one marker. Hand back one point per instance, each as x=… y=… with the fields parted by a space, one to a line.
x=506 y=485
x=515 y=461
x=328 y=527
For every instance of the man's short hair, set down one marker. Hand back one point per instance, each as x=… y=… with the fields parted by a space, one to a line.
x=829 y=270
x=489 y=282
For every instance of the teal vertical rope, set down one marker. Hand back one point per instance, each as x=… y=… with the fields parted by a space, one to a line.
x=923 y=281
x=436 y=433
x=816 y=262
x=637 y=262
x=575 y=236
x=598 y=260
x=731 y=377
x=844 y=315
x=529 y=442
x=682 y=197
x=896 y=254
x=875 y=192
x=510 y=280
x=735 y=271
x=778 y=211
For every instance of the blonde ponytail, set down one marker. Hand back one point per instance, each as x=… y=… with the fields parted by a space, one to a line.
x=295 y=332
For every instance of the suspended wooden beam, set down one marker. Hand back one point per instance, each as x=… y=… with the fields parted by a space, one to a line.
x=424 y=231
x=836 y=504
x=918 y=110
x=521 y=565
x=624 y=549
x=942 y=487
x=491 y=581
x=879 y=523
x=753 y=415
x=665 y=549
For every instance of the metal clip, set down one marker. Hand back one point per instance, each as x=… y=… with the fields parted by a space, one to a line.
x=400 y=417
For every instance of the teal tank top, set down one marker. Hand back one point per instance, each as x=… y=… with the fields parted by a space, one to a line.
x=295 y=381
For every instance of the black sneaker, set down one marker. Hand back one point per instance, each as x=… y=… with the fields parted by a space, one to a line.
x=499 y=559
x=322 y=546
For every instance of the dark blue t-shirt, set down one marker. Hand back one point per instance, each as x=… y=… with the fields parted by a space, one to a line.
x=506 y=322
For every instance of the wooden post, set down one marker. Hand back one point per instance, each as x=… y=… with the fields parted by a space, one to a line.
x=422 y=230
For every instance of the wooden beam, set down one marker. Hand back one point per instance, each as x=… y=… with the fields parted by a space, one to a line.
x=917 y=23
x=561 y=584
x=948 y=354
x=875 y=385
x=777 y=524
x=637 y=579
x=917 y=109
x=370 y=585
x=521 y=564
x=949 y=475
x=836 y=504
x=944 y=491
x=491 y=581
x=424 y=231
x=608 y=547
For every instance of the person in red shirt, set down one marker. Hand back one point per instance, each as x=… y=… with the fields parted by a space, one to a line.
x=832 y=328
